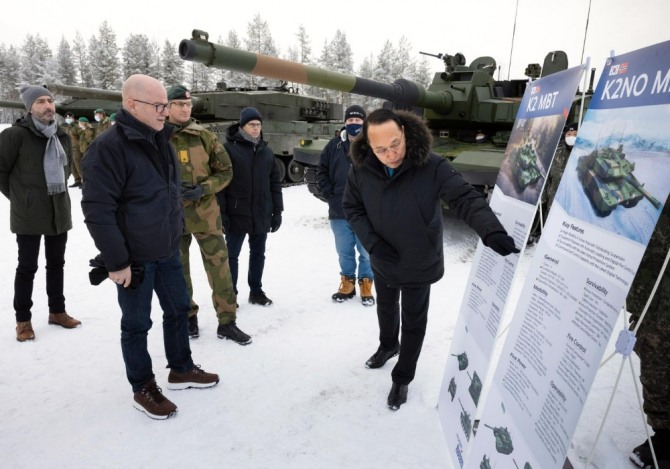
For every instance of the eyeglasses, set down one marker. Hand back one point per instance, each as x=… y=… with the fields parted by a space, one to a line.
x=254 y=125
x=383 y=151
x=180 y=104
x=159 y=107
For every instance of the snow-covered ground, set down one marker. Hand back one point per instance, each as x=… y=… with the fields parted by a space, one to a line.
x=298 y=397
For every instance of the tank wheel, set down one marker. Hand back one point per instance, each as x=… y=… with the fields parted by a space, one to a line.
x=282 y=169
x=631 y=203
x=296 y=171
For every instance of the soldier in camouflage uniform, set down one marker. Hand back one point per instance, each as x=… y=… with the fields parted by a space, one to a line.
x=72 y=129
x=103 y=121
x=653 y=342
x=86 y=136
x=205 y=170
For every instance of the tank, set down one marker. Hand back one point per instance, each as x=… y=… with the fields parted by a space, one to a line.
x=608 y=180
x=466 y=421
x=503 y=439
x=462 y=360
x=452 y=388
x=485 y=464
x=525 y=171
x=475 y=388
x=470 y=113
x=288 y=117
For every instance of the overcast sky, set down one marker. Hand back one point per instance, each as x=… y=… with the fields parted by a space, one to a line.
x=473 y=27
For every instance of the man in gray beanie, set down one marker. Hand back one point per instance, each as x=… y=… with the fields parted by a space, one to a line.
x=33 y=139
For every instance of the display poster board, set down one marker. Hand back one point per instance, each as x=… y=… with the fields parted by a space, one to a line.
x=608 y=202
x=537 y=130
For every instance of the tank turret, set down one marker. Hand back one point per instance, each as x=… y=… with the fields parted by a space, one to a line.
x=462 y=360
x=466 y=421
x=608 y=180
x=452 y=388
x=460 y=104
x=475 y=388
x=503 y=439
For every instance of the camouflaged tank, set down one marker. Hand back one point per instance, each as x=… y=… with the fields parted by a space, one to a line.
x=525 y=171
x=288 y=117
x=503 y=439
x=470 y=113
x=475 y=388
x=608 y=180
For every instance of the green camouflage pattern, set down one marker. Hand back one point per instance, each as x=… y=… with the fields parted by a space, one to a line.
x=86 y=136
x=73 y=131
x=555 y=173
x=653 y=344
x=102 y=126
x=215 y=259
x=204 y=161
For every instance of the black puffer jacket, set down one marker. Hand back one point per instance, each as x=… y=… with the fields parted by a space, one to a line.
x=32 y=210
x=331 y=174
x=131 y=195
x=254 y=195
x=405 y=210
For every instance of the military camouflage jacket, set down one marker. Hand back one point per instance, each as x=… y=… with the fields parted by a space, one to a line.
x=102 y=126
x=73 y=131
x=203 y=161
x=86 y=136
x=645 y=278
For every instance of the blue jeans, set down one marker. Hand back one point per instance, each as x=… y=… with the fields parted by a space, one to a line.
x=166 y=277
x=345 y=242
x=256 y=259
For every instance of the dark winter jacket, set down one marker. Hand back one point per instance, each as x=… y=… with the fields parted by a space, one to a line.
x=405 y=210
x=331 y=174
x=32 y=210
x=131 y=195
x=254 y=195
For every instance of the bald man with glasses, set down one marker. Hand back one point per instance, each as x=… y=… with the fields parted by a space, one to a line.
x=133 y=210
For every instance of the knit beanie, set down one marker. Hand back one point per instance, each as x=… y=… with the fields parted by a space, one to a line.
x=29 y=93
x=354 y=111
x=249 y=114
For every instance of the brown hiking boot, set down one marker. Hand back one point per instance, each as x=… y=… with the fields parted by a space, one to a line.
x=64 y=320
x=195 y=378
x=365 y=286
x=347 y=289
x=152 y=402
x=24 y=331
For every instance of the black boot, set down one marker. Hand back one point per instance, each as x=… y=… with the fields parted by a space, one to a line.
x=397 y=396
x=380 y=357
x=641 y=455
x=193 y=329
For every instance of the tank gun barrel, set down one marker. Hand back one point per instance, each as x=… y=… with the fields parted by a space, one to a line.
x=402 y=92
x=13 y=104
x=80 y=92
x=647 y=195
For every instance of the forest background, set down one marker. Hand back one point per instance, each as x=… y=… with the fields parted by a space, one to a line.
x=102 y=63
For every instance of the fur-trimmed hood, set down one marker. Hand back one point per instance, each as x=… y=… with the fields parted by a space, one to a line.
x=417 y=135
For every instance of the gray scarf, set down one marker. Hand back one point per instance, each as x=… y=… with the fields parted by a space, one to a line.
x=54 y=158
x=246 y=136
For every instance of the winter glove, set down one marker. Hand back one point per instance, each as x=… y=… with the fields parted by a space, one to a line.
x=501 y=242
x=192 y=191
x=225 y=221
x=385 y=252
x=276 y=222
x=99 y=273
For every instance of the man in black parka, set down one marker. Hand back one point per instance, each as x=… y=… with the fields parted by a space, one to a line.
x=392 y=200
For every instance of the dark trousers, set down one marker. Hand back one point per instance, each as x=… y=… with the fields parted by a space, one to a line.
x=402 y=309
x=166 y=278
x=256 y=258
x=29 y=250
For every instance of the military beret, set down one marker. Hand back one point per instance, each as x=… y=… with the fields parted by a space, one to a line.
x=574 y=127
x=83 y=119
x=112 y=116
x=178 y=92
x=99 y=111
